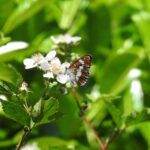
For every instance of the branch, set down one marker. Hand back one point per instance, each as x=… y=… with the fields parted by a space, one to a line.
x=115 y=134
x=102 y=145
x=21 y=141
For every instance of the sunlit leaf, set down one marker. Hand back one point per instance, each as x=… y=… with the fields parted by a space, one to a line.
x=54 y=143
x=9 y=74
x=136 y=118
x=115 y=113
x=145 y=130
x=69 y=11
x=49 y=112
x=142 y=22
x=115 y=72
x=22 y=13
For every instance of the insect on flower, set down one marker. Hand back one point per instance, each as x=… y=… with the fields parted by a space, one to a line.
x=79 y=70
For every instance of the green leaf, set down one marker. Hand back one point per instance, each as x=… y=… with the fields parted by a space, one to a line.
x=4 y=40
x=69 y=11
x=16 y=112
x=145 y=130
x=114 y=79
x=141 y=20
x=55 y=143
x=10 y=75
x=115 y=113
x=98 y=21
x=22 y=13
x=50 y=111
x=136 y=118
x=4 y=89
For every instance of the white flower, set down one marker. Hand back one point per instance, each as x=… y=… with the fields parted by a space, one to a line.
x=45 y=65
x=59 y=70
x=29 y=63
x=24 y=86
x=48 y=75
x=38 y=58
x=32 y=146
x=62 y=78
x=51 y=66
x=55 y=65
x=66 y=39
x=51 y=55
x=65 y=65
x=12 y=46
x=34 y=61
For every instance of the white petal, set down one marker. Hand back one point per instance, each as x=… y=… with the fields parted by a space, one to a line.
x=55 y=65
x=62 y=78
x=65 y=65
x=12 y=46
x=29 y=63
x=55 y=62
x=76 y=39
x=48 y=75
x=51 y=55
x=24 y=86
x=66 y=39
x=45 y=66
x=38 y=58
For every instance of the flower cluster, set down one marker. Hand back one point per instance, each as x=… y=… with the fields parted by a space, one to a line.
x=50 y=65
x=66 y=39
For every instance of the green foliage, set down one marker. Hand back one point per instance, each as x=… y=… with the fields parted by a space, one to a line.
x=16 y=112
x=9 y=74
x=117 y=35
x=140 y=117
x=55 y=143
x=115 y=113
x=118 y=72
x=49 y=111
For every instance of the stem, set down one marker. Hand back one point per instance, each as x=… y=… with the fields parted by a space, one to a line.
x=102 y=145
x=99 y=141
x=21 y=141
x=116 y=133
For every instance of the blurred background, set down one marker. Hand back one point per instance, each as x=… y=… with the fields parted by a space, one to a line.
x=116 y=33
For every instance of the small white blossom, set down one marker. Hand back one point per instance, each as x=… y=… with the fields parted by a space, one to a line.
x=56 y=65
x=45 y=65
x=29 y=63
x=62 y=78
x=30 y=147
x=65 y=65
x=38 y=58
x=66 y=39
x=24 y=86
x=51 y=66
x=34 y=61
x=48 y=75
x=51 y=55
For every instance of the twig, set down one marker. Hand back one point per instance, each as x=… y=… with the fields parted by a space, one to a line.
x=99 y=141
x=21 y=141
x=102 y=145
x=116 y=132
